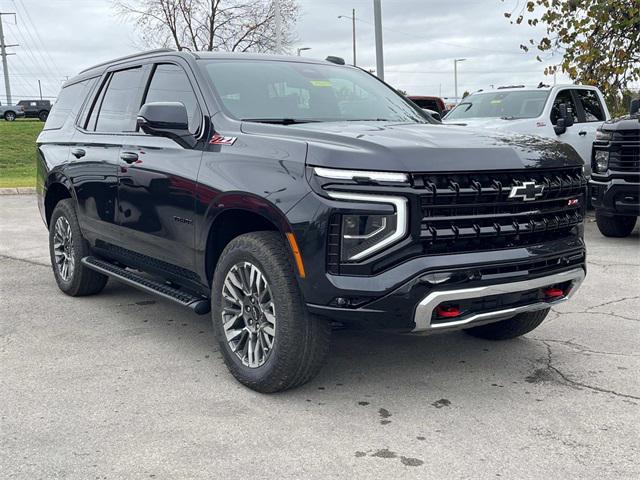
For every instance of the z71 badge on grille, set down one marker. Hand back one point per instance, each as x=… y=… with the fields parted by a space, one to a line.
x=528 y=191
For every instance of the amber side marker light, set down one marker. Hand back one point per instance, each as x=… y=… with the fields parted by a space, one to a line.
x=296 y=254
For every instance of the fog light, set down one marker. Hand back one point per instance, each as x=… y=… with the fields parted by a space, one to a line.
x=601 y=160
x=448 y=311
x=553 y=292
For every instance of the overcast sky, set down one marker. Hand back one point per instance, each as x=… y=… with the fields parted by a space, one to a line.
x=421 y=38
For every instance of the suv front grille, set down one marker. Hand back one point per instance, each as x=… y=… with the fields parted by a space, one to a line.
x=627 y=135
x=473 y=212
x=625 y=159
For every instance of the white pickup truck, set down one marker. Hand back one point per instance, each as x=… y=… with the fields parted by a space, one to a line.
x=568 y=113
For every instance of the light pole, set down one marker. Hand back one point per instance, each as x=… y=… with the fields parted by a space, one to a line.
x=302 y=49
x=455 y=75
x=353 y=22
x=377 y=13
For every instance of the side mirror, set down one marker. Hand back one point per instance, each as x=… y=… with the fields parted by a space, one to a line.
x=166 y=119
x=565 y=120
x=634 y=107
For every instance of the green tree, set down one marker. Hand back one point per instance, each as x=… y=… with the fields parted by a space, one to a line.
x=599 y=39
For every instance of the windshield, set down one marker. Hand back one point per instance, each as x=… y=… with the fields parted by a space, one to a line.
x=292 y=92
x=508 y=105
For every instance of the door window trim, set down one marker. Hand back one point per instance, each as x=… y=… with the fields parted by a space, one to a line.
x=100 y=94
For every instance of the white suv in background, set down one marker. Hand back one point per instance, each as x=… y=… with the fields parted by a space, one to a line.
x=536 y=111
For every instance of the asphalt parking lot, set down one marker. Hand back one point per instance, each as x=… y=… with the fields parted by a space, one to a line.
x=124 y=385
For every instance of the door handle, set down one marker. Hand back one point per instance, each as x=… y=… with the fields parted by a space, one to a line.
x=582 y=133
x=129 y=157
x=78 y=152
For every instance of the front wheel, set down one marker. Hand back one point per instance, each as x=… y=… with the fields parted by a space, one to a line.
x=67 y=247
x=9 y=116
x=511 y=328
x=267 y=338
x=615 y=226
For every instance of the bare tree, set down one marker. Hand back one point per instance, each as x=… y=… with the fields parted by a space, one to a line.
x=228 y=25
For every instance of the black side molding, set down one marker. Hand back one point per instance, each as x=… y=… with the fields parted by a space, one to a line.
x=198 y=304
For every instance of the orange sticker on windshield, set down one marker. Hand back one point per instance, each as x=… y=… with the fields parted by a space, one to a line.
x=321 y=83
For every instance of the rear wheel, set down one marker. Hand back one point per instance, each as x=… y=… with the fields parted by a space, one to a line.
x=615 y=226
x=512 y=328
x=9 y=116
x=43 y=115
x=67 y=247
x=268 y=339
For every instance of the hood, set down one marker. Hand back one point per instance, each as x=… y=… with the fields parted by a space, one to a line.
x=420 y=147
x=622 y=123
x=486 y=122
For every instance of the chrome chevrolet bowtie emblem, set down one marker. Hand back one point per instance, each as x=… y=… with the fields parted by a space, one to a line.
x=527 y=191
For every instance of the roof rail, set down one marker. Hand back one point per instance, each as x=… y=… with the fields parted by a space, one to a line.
x=510 y=86
x=128 y=57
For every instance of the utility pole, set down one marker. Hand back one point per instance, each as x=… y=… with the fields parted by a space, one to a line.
x=40 y=88
x=353 y=22
x=278 y=18
x=4 y=54
x=377 y=12
x=455 y=76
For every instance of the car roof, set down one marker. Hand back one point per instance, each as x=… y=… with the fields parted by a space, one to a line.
x=96 y=70
x=528 y=88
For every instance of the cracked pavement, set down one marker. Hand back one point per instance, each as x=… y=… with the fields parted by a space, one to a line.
x=124 y=385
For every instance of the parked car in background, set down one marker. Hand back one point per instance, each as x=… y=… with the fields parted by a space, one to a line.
x=36 y=109
x=615 y=181
x=282 y=193
x=435 y=104
x=11 y=112
x=538 y=111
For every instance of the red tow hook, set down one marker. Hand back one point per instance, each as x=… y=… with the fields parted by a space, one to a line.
x=448 y=311
x=552 y=292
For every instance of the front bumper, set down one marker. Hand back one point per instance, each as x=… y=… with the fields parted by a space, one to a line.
x=426 y=309
x=487 y=291
x=616 y=196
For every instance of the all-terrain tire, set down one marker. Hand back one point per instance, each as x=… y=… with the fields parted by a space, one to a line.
x=511 y=328
x=615 y=226
x=81 y=280
x=301 y=340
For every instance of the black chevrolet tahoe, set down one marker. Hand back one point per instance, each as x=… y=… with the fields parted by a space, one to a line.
x=286 y=195
x=615 y=180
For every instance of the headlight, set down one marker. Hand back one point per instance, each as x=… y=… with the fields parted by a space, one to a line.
x=339 y=174
x=601 y=161
x=603 y=136
x=363 y=235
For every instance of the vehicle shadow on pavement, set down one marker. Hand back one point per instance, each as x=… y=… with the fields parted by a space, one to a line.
x=371 y=360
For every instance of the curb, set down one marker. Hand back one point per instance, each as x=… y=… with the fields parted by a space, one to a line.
x=18 y=191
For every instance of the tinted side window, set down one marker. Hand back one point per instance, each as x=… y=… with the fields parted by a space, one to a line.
x=68 y=104
x=121 y=102
x=563 y=96
x=591 y=104
x=428 y=104
x=171 y=84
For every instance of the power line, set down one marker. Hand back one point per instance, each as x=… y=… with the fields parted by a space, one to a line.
x=26 y=44
x=55 y=69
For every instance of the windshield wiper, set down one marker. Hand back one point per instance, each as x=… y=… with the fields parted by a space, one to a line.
x=511 y=117
x=279 y=121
